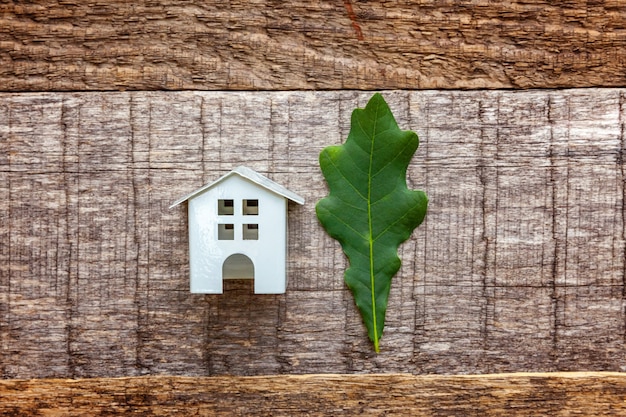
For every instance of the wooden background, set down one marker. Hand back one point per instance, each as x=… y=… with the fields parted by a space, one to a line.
x=528 y=395
x=520 y=108
x=338 y=44
x=518 y=267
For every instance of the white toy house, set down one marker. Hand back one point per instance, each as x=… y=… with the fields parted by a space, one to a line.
x=238 y=229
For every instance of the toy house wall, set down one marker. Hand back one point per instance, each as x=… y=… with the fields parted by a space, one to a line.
x=519 y=265
x=266 y=249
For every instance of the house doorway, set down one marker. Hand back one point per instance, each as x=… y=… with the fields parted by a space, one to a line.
x=238 y=266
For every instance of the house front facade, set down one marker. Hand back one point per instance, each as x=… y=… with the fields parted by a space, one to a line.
x=238 y=230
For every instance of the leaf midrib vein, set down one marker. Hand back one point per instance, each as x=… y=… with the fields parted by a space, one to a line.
x=377 y=133
x=406 y=213
x=370 y=231
x=406 y=145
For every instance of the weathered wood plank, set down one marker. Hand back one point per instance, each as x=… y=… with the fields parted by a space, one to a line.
x=519 y=265
x=558 y=394
x=243 y=45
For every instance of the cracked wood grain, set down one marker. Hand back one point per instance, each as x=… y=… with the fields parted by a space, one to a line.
x=117 y=45
x=554 y=394
x=519 y=265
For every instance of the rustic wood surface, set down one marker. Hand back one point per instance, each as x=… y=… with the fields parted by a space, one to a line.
x=519 y=265
x=557 y=394
x=311 y=44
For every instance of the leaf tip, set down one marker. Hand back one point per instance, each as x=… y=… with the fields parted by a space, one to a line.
x=376 y=100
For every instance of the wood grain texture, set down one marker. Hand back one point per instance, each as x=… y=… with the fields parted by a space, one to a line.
x=274 y=45
x=519 y=265
x=558 y=394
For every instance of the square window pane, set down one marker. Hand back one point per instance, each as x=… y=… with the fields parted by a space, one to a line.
x=250 y=207
x=225 y=207
x=251 y=232
x=226 y=232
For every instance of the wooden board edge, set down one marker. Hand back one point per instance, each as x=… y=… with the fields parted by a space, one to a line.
x=561 y=393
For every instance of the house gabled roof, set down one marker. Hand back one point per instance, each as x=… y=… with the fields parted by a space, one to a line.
x=250 y=175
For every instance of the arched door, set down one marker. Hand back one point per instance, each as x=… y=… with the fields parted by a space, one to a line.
x=238 y=266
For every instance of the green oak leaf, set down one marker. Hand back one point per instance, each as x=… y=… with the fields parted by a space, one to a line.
x=369 y=209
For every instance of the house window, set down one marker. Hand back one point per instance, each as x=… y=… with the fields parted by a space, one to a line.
x=225 y=207
x=226 y=231
x=250 y=232
x=250 y=207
